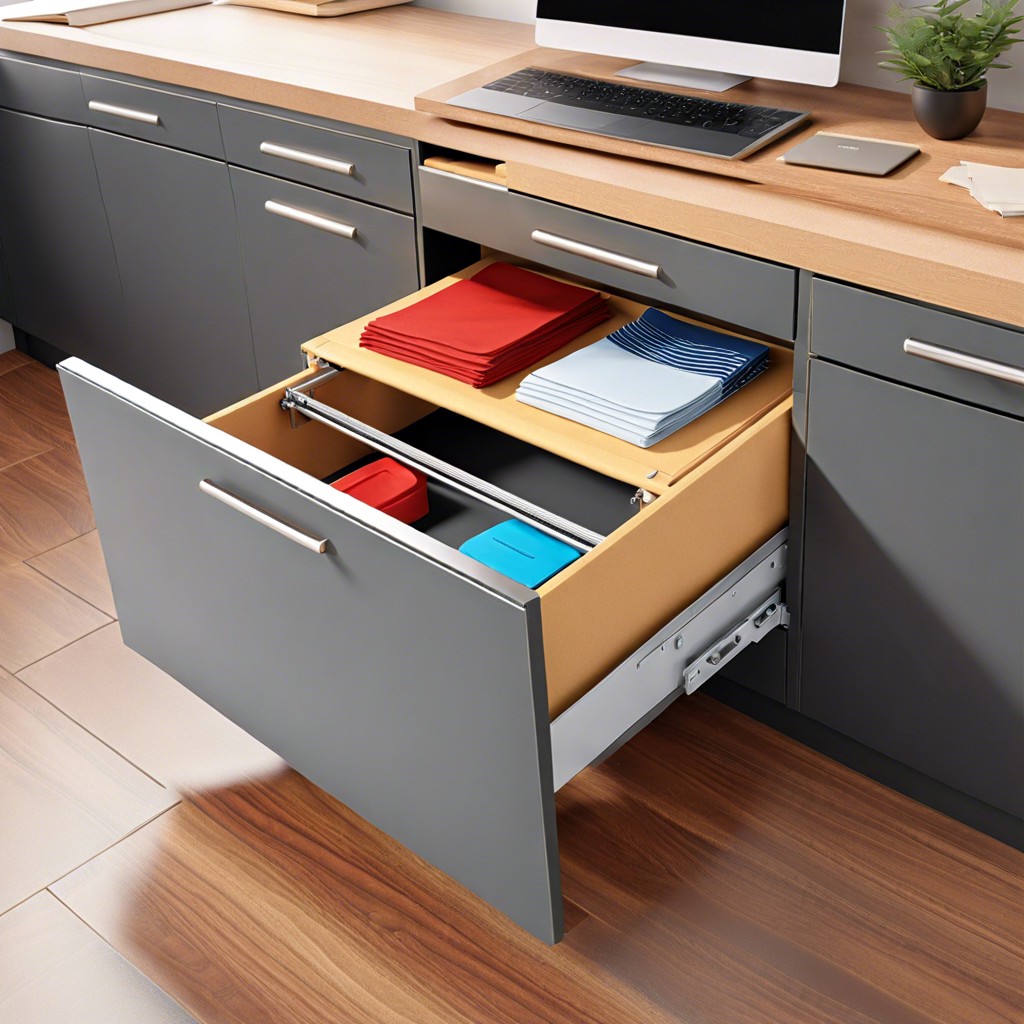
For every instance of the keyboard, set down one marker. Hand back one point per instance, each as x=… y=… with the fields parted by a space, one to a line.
x=652 y=116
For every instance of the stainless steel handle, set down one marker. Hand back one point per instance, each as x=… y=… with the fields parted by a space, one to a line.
x=325 y=163
x=125 y=112
x=962 y=361
x=293 y=533
x=465 y=179
x=314 y=220
x=592 y=252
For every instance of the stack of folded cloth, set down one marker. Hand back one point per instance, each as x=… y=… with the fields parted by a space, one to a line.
x=484 y=328
x=647 y=379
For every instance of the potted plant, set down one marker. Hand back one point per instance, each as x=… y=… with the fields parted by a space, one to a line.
x=946 y=54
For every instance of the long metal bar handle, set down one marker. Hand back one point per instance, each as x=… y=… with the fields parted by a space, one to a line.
x=962 y=361
x=547 y=522
x=313 y=220
x=126 y=112
x=592 y=252
x=293 y=533
x=298 y=156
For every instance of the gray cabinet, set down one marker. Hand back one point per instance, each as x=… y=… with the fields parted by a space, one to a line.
x=57 y=246
x=913 y=587
x=313 y=261
x=6 y=297
x=186 y=335
x=122 y=242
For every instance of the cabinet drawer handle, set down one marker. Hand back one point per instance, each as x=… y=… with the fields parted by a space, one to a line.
x=324 y=163
x=300 y=537
x=314 y=220
x=591 y=252
x=962 y=361
x=126 y=112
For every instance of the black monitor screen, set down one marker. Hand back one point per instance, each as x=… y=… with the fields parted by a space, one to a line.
x=808 y=25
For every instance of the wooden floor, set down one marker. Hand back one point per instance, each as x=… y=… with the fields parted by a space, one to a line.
x=714 y=870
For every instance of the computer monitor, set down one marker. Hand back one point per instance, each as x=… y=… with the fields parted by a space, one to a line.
x=693 y=42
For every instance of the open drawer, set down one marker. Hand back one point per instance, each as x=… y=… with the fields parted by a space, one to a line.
x=441 y=700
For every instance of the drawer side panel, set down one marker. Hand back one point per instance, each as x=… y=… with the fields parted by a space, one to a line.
x=603 y=607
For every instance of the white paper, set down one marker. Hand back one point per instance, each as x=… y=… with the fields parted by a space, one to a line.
x=999 y=189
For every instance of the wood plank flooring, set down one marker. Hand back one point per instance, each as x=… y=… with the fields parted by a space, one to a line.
x=715 y=871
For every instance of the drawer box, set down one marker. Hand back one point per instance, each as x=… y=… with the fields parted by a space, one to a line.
x=350 y=165
x=413 y=682
x=868 y=331
x=35 y=88
x=724 y=286
x=153 y=115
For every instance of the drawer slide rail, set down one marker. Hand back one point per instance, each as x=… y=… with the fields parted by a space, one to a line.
x=297 y=399
x=739 y=610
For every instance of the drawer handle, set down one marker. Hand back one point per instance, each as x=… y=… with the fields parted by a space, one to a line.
x=325 y=163
x=314 y=220
x=126 y=112
x=591 y=252
x=962 y=361
x=306 y=540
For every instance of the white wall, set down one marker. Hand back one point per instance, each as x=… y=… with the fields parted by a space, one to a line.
x=860 y=49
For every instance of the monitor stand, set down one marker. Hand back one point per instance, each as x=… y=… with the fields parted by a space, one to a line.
x=689 y=78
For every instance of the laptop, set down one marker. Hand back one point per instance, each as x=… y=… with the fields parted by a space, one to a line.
x=850 y=153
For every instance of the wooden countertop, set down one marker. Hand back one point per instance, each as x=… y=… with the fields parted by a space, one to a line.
x=907 y=234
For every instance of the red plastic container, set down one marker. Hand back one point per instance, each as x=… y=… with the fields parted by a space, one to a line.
x=389 y=486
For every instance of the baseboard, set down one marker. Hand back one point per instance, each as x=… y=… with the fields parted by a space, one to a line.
x=981 y=816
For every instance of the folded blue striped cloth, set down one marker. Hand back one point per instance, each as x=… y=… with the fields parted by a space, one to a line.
x=646 y=380
x=663 y=339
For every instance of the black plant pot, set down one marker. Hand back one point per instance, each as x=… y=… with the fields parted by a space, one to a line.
x=949 y=115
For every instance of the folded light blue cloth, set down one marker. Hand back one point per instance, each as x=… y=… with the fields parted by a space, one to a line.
x=647 y=379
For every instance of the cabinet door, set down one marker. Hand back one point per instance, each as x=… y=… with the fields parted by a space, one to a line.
x=313 y=261
x=6 y=299
x=187 y=337
x=913 y=598
x=57 y=247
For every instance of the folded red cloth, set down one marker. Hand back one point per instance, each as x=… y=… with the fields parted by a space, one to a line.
x=487 y=374
x=484 y=328
x=585 y=317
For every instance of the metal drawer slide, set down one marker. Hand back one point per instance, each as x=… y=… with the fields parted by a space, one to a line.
x=739 y=610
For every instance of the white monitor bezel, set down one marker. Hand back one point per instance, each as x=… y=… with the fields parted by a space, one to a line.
x=808 y=67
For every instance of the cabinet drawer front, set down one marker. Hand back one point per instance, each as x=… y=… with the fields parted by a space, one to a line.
x=40 y=89
x=915 y=345
x=711 y=282
x=155 y=115
x=410 y=688
x=347 y=164
x=304 y=274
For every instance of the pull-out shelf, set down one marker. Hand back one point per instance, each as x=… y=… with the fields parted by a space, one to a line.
x=439 y=699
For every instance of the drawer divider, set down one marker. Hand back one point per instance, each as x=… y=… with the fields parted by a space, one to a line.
x=579 y=537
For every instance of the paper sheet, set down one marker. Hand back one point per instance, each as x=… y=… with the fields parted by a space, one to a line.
x=999 y=189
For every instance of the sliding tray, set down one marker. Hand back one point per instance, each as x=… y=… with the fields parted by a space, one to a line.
x=422 y=688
